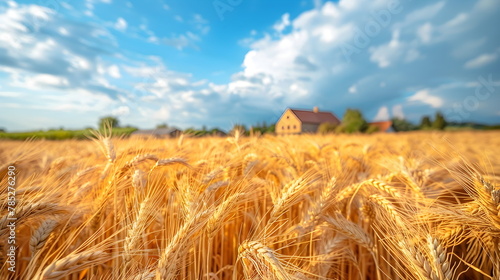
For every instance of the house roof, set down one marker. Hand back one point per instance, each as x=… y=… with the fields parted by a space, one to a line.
x=382 y=126
x=315 y=118
x=158 y=131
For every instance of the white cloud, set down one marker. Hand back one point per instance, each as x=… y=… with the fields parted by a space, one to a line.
x=12 y=4
x=397 y=111
x=481 y=61
x=200 y=24
x=89 y=4
x=394 y=52
x=114 y=71
x=283 y=23
x=63 y=31
x=121 y=24
x=425 y=33
x=121 y=111
x=382 y=114
x=42 y=81
x=425 y=13
x=302 y=64
x=317 y=3
x=486 y=5
x=425 y=97
x=464 y=50
x=64 y=56
x=10 y=94
x=456 y=21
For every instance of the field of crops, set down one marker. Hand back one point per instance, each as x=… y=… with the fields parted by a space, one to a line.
x=420 y=205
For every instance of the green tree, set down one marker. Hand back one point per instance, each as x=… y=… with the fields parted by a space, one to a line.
x=271 y=128
x=262 y=128
x=439 y=122
x=217 y=132
x=372 y=129
x=327 y=127
x=402 y=125
x=425 y=123
x=108 y=121
x=353 y=121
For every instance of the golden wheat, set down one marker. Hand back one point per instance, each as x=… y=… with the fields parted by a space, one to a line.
x=384 y=206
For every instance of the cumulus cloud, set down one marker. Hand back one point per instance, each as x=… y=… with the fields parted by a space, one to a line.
x=114 y=71
x=392 y=55
x=121 y=24
x=306 y=66
x=121 y=111
x=283 y=23
x=197 y=27
x=45 y=58
x=425 y=97
x=397 y=111
x=382 y=114
x=481 y=60
x=418 y=55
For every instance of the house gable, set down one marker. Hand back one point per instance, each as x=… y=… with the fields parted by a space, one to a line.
x=288 y=123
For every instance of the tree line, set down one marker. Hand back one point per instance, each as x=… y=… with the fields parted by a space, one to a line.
x=352 y=122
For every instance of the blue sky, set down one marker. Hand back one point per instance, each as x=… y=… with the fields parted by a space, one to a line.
x=217 y=63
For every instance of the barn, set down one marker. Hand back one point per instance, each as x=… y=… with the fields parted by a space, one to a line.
x=302 y=121
x=158 y=133
x=295 y=121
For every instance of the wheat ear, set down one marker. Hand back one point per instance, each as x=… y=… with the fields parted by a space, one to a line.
x=351 y=230
x=41 y=234
x=72 y=263
x=438 y=258
x=135 y=232
x=388 y=207
x=257 y=251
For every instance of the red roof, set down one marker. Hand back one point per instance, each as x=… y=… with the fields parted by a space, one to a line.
x=315 y=118
x=382 y=126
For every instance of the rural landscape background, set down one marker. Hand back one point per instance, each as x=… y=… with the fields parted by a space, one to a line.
x=249 y=139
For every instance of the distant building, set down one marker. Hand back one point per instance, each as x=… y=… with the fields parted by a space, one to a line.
x=218 y=132
x=302 y=121
x=383 y=126
x=158 y=133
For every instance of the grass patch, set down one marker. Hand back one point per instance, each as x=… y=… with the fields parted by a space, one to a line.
x=62 y=134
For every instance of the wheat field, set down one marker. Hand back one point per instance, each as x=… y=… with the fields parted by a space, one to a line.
x=418 y=205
